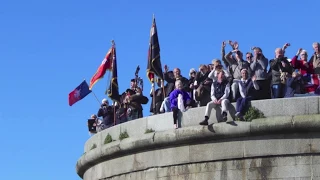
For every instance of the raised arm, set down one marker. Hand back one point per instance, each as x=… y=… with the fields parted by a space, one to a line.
x=254 y=82
x=223 y=53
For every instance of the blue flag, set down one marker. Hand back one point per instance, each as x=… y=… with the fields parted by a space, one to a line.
x=79 y=93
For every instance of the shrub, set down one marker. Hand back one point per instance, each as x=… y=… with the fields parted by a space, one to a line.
x=123 y=135
x=149 y=131
x=253 y=113
x=108 y=139
x=93 y=146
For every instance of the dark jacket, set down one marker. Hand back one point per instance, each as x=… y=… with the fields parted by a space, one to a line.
x=158 y=100
x=106 y=112
x=276 y=66
x=185 y=82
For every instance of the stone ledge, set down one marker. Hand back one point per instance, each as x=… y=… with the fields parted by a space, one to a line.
x=201 y=134
x=192 y=117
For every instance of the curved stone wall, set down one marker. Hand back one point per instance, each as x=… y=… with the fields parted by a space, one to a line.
x=274 y=147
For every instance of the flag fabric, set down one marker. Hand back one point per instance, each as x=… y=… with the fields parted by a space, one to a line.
x=154 y=67
x=113 y=90
x=79 y=93
x=105 y=65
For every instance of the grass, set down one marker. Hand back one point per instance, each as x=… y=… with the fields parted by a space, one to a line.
x=123 y=135
x=149 y=131
x=108 y=139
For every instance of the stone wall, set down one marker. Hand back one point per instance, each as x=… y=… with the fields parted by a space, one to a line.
x=283 y=147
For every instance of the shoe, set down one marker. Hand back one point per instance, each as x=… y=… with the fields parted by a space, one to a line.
x=238 y=114
x=224 y=116
x=175 y=126
x=204 y=122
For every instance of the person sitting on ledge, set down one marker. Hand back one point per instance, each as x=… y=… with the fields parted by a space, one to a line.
x=247 y=88
x=94 y=125
x=220 y=91
x=174 y=101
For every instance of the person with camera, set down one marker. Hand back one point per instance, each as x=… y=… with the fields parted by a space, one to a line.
x=106 y=112
x=95 y=125
x=280 y=68
x=236 y=63
x=259 y=66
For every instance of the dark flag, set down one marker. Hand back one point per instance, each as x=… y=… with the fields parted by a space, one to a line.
x=113 y=90
x=154 y=67
x=79 y=93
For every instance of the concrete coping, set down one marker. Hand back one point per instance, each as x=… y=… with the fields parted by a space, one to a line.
x=198 y=134
x=192 y=117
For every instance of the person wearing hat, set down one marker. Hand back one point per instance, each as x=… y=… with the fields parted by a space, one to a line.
x=106 y=112
x=247 y=86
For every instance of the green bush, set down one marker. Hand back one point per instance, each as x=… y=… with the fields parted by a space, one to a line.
x=93 y=146
x=149 y=131
x=108 y=139
x=253 y=113
x=123 y=135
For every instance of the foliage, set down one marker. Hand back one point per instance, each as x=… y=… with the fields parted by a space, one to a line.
x=93 y=146
x=123 y=135
x=253 y=113
x=108 y=139
x=149 y=131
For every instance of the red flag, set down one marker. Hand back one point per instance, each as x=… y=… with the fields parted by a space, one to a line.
x=105 y=65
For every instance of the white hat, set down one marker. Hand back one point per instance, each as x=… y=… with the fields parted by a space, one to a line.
x=105 y=101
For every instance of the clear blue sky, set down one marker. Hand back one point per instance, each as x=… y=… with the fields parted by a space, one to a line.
x=47 y=47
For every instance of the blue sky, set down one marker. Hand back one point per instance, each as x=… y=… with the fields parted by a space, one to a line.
x=48 y=47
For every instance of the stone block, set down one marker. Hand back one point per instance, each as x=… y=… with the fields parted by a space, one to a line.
x=134 y=128
x=160 y=122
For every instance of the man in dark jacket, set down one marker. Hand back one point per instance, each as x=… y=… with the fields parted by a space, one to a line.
x=280 y=67
x=106 y=112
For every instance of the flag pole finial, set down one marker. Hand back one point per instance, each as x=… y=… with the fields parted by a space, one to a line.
x=112 y=42
x=153 y=16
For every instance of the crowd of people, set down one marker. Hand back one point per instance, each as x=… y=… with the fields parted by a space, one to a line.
x=245 y=77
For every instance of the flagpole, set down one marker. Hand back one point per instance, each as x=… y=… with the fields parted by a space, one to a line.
x=114 y=113
x=96 y=97
x=153 y=98
x=162 y=84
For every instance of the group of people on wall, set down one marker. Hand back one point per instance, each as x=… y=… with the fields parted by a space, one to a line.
x=243 y=77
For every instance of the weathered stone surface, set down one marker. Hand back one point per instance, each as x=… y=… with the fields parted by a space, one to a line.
x=276 y=147
x=256 y=168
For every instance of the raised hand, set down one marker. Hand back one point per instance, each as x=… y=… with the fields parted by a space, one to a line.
x=230 y=43
x=299 y=51
x=254 y=78
x=286 y=45
x=235 y=45
x=166 y=68
x=224 y=44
